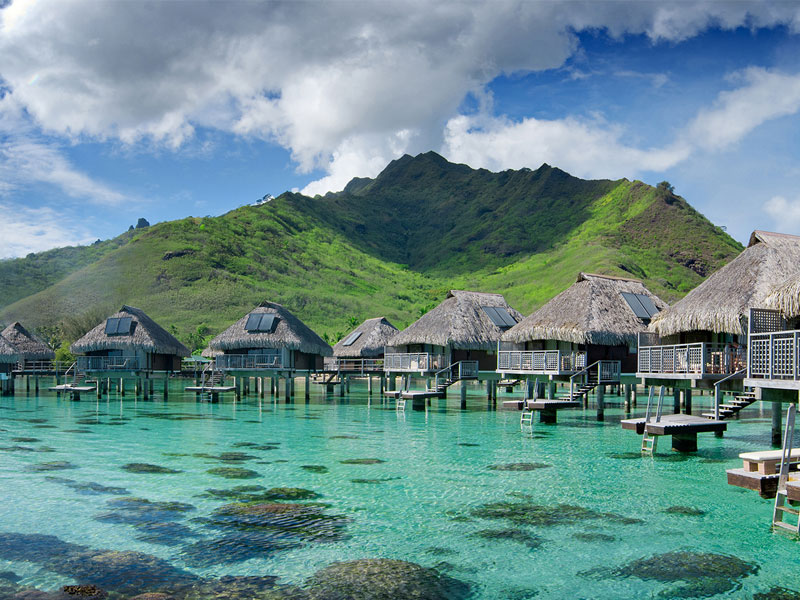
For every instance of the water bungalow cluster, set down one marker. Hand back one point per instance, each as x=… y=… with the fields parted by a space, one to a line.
x=734 y=337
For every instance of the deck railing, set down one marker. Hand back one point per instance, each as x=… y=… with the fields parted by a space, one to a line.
x=248 y=362
x=413 y=362
x=699 y=359
x=539 y=361
x=353 y=365
x=774 y=355
x=42 y=366
x=108 y=363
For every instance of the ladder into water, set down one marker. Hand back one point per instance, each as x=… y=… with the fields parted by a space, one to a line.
x=782 y=507
x=650 y=442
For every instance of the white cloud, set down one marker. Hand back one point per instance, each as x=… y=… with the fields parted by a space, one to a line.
x=784 y=212
x=583 y=148
x=336 y=83
x=765 y=95
x=27 y=159
x=24 y=230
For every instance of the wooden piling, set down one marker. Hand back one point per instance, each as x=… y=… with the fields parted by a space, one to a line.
x=777 y=408
x=601 y=403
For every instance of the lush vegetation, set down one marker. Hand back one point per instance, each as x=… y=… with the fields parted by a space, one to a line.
x=391 y=246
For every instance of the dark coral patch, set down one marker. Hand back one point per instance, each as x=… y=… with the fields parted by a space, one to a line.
x=362 y=461
x=88 y=487
x=233 y=473
x=684 y=510
x=55 y=465
x=521 y=466
x=382 y=578
x=315 y=468
x=528 y=513
x=591 y=536
x=147 y=468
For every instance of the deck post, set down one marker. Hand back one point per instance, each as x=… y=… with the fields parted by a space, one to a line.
x=551 y=390
x=601 y=402
x=463 y=385
x=152 y=385
x=369 y=385
x=342 y=379
x=687 y=401
x=777 y=407
x=287 y=392
x=121 y=386
x=347 y=384
x=99 y=388
x=166 y=388
x=36 y=384
x=383 y=384
x=633 y=395
x=489 y=390
x=676 y=401
x=27 y=384
x=307 y=388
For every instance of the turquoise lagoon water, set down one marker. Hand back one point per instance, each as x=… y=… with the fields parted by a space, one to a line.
x=435 y=500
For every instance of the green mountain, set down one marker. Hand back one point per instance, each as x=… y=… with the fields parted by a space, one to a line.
x=388 y=246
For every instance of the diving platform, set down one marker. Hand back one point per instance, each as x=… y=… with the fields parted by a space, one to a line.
x=74 y=390
x=682 y=428
x=759 y=472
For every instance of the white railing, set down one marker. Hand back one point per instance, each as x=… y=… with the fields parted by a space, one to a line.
x=609 y=371
x=699 y=359
x=409 y=361
x=248 y=362
x=42 y=366
x=107 y=363
x=597 y=373
x=539 y=361
x=353 y=365
x=774 y=355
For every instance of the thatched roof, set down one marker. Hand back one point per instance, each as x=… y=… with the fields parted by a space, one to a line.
x=786 y=297
x=591 y=311
x=8 y=353
x=290 y=332
x=721 y=303
x=458 y=322
x=373 y=335
x=145 y=334
x=30 y=346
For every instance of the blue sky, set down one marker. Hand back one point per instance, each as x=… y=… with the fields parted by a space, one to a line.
x=111 y=111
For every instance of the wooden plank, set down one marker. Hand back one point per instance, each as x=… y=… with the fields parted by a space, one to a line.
x=212 y=389
x=553 y=404
x=765 y=485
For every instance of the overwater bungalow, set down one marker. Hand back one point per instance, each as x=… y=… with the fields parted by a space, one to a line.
x=598 y=318
x=129 y=341
x=459 y=335
x=34 y=353
x=361 y=350
x=9 y=356
x=269 y=338
x=702 y=339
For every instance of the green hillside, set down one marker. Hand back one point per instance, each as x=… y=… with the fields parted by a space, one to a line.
x=390 y=246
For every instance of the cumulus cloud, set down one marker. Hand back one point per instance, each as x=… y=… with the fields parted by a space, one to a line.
x=583 y=148
x=763 y=95
x=24 y=230
x=343 y=85
x=784 y=212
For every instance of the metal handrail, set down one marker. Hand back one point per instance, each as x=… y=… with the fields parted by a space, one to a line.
x=717 y=390
x=599 y=364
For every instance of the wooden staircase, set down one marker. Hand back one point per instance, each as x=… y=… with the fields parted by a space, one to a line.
x=459 y=371
x=585 y=388
x=733 y=407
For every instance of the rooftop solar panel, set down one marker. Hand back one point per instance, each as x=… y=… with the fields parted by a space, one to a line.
x=118 y=325
x=351 y=338
x=648 y=304
x=268 y=323
x=499 y=316
x=253 y=320
x=636 y=306
x=111 y=326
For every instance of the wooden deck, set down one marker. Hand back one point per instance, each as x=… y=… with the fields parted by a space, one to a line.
x=216 y=389
x=74 y=390
x=682 y=428
x=759 y=472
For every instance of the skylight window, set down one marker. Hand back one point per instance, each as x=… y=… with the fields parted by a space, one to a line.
x=351 y=338
x=261 y=322
x=641 y=305
x=118 y=325
x=499 y=316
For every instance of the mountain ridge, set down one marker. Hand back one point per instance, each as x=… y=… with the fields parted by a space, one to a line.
x=391 y=245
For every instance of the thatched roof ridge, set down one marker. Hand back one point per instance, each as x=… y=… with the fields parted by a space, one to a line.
x=721 y=303
x=145 y=335
x=458 y=322
x=8 y=353
x=590 y=311
x=29 y=345
x=290 y=332
x=786 y=297
x=374 y=335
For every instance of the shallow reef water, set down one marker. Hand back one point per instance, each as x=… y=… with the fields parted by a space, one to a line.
x=187 y=500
